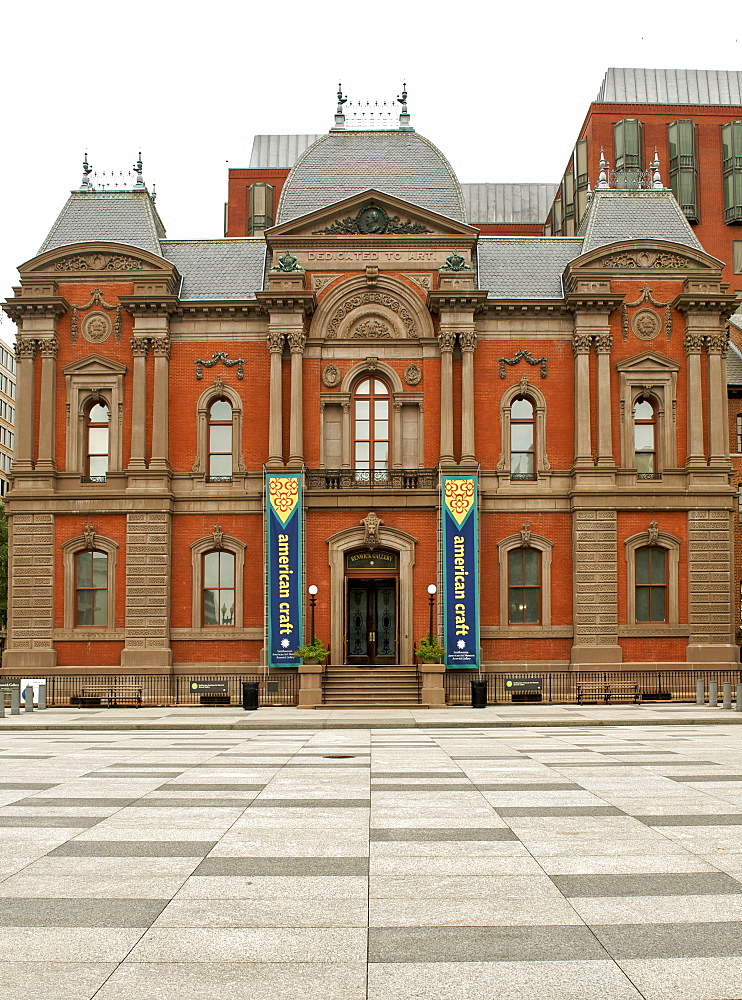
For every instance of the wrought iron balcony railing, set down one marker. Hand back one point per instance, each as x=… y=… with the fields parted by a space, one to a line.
x=371 y=479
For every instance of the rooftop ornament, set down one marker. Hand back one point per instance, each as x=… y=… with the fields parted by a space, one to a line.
x=138 y=169
x=287 y=264
x=602 y=184
x=113 y=181
x=656 y=178
x=86 y=172
x=340 y=114
x=404 y=117
x=455 y=262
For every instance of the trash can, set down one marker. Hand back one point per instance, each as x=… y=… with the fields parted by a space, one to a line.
x=479 y=694
x=250 y=695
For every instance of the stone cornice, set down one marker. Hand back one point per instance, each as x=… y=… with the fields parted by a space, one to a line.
x=449 y=298
x=287 y=301
x=547 y=307
x=33 y=306
x=716 y=302
x=601 y=301
x=147 y=305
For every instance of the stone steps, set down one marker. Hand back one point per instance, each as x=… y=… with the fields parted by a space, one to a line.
x=371 y=687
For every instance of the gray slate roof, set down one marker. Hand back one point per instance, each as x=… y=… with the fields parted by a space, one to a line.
x=118 y=216
x=217 y=269
x=278 y=151
x=671 y=86
x=342 y=164
x=529 y=267
x=508 y=203
x=734 y=359
x=629 y=215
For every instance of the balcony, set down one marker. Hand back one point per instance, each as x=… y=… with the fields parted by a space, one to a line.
x=372 y=479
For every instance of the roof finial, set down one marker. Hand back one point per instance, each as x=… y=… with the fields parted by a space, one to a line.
x=153 y=196
x=138 y=169
x=86 y=172
x=603 y=175
x=656 y=178
x=339 y=114
x=404 y=117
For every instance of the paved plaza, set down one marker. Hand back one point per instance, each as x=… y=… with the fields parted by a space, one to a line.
x=508 y=863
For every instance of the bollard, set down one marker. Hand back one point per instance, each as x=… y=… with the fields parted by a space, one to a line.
x=727 y=702
x=739 y=698
x=28 y=699
x=713 y=694
x=700 y=692
x=15 y=700
x=42 y=697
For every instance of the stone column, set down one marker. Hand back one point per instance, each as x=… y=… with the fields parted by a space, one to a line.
x=583 y=438
x=346 y=435
x=693 y=344
x=161 y=405
x=139 y=347
x=275 y=431
x=396 y=456
x=716 y=345
x=446 y=340
x=47 y=404
x=605 y=441
x=468 y=341
x=25 y=352
x=297 y=340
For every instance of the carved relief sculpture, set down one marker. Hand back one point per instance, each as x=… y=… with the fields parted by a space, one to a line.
x=413 y=374
x=330 y=376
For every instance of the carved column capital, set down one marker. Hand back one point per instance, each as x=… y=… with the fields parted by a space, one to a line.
x=346 y=407
x=48 y=347
x=581 y=343
x=25 y=349
x=603 y=343
x=275 y=342
x=717 y=343
x=446 y=340
x=693 y=343
x=297 y=341
x=468 y=340
x=139 y=346
x=161 y=347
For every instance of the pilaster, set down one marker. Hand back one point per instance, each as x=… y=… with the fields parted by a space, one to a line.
x=710 y=583
x=468 y=341
x=297 y=341
x=446 y=340
x=148 y=558
x=48 y=347
x=595 y=589
x=30 y=594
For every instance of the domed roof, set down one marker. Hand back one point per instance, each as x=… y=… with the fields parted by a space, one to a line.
x=400 y=163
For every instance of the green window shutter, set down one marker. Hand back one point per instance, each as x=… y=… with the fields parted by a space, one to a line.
x=681 y=138
x=627 y=141
x=731 y=141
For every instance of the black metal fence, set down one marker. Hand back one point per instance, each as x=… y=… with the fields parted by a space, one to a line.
x=564 y=687
x=163 y=689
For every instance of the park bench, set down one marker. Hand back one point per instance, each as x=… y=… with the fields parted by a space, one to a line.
x=608 y=691
x=112 y=695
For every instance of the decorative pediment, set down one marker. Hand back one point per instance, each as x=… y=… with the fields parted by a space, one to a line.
x=389 y=310
x=647 y=361
x=648 y=258
x=97 y=259
x=370 y=215
x=94 y=364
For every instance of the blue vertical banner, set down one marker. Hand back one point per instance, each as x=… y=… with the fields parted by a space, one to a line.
x=283 y=554
x=459 y=515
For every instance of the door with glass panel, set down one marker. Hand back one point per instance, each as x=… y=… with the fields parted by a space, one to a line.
x=371 y=621
x=371 y=430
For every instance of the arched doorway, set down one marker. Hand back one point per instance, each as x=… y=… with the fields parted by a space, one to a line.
x=351 y=541
x=371 y=603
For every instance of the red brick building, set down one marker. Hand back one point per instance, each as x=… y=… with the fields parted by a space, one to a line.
x=355 y=331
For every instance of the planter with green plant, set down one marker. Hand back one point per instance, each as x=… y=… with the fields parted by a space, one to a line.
x=313 y=652
x=429 y=650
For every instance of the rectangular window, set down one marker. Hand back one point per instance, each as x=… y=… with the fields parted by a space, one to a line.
x=737 y=256
x=581 y=179
x=524 y=587
x=681 y=138
x=731 y=144
x=627 y=146
x=651 y=585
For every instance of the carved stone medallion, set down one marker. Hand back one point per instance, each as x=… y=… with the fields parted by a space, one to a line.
x=96 y=328
x=413 y=374
x=330 y=376
x=646 y=324
x=371 y=328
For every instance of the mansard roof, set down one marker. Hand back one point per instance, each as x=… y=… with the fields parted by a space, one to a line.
x=614 y=216
x=128 y=217
x=529 y=267
x=218 y=269
x=397 y=162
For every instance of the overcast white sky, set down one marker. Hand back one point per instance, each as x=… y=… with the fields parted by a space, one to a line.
x=502 y=89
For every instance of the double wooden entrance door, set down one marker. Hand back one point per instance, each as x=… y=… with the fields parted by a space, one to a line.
x=371 y=617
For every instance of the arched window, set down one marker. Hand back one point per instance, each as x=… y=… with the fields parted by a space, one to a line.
x=97 y=436
x=220 y=434
x=522 y=439
x=524 y=586
x=218 y=589
x=651 y=584
x=645 y=439
x=91 y=589
x=371 y=429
